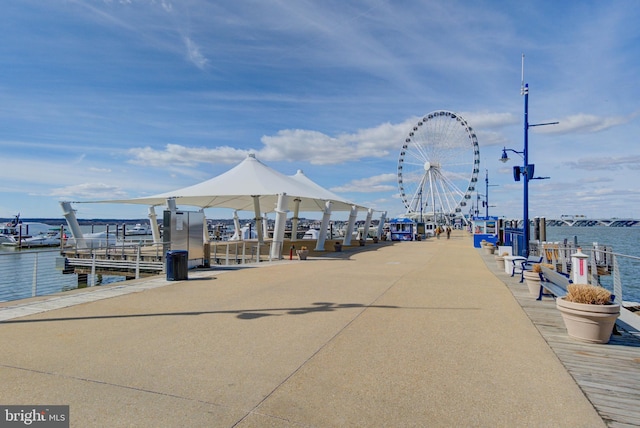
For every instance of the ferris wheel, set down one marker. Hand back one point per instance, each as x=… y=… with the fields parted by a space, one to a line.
x=438 y=167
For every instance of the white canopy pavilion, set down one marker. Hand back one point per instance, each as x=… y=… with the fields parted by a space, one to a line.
x=253 y=186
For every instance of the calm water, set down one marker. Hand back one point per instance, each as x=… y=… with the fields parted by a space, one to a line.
x=17 y=279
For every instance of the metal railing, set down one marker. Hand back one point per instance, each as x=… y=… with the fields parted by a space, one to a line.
x=25 y=274
x=607 y=268
x=127 y=259
x=238 y=252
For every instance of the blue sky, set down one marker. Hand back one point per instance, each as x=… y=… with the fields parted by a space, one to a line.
x=106 y=99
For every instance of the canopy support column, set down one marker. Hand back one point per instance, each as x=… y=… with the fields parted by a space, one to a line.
x=205 y=227
x=258 y=218
x=295 y=219
x=350 y=225
x=381 y=225
x=322 y=236
x=367 y=224
x=171 y=205
x=278 y=229
x=265 y=226
x=237 y=235
x=70 y=214
x=155 y=230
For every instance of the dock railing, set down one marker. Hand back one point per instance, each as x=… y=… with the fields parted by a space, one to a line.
x=143 y=256
x=607 y=268
x=25 y=274
x=227 y=253
x=129 y=259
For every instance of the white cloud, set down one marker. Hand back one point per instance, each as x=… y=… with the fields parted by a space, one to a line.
x=321 y=149
x=89 y=191
x=382 y=141
x=377 y=183
x=177 y=155
x=584 y=123
x=194 y=54
x=292 y=145
x=606 y=163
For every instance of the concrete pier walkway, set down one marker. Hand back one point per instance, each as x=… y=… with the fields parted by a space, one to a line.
x=396 y=335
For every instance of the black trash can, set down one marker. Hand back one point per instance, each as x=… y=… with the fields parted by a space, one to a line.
x=177 y=265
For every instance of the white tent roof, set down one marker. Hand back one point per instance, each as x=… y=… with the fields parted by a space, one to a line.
x=301 y=178
x=235 y=189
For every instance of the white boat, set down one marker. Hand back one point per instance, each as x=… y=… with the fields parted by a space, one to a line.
x=138 y=229
x=17 y=228
x=314 y=234
x=12 y=232
x=311 y=234
x=245 y=233
x=96 y=240
x=8 y=240
x=49 y=239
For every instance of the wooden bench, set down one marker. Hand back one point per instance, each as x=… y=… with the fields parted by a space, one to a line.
x=554 y=282
x=520 y=265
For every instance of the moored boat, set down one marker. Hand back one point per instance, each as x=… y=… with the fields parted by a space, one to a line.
x=138 y=229
x=50 y=239
x=16 y=232
x=8 y=240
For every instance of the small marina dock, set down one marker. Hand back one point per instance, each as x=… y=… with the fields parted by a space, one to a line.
x=135 y=261
x=131 y=261
x=425 y=333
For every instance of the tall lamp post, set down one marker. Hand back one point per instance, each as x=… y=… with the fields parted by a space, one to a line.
x=527 y=169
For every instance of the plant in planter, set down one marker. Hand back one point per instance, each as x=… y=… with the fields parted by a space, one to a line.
x=500 y=260
x=532 y=277
x=589 y=312
x=489 y=248
x=302 y=253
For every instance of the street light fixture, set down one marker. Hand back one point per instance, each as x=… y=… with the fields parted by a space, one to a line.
x=527 y=170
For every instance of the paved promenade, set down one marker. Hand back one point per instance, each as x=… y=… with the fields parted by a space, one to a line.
x=416 y=334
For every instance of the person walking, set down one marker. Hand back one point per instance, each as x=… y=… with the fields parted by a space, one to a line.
x=448 y=232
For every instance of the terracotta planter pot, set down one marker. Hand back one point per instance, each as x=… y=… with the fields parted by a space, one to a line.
x=532 y=280
x=302 y=254
x=500 y=263
x=591 y=323
x=489 y=249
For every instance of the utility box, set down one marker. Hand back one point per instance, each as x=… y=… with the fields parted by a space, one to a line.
x=184 y=231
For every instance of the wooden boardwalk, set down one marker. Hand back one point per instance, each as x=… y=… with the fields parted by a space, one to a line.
x=609 y=375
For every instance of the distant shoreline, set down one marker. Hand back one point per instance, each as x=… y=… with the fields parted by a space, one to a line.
x=110 y=221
